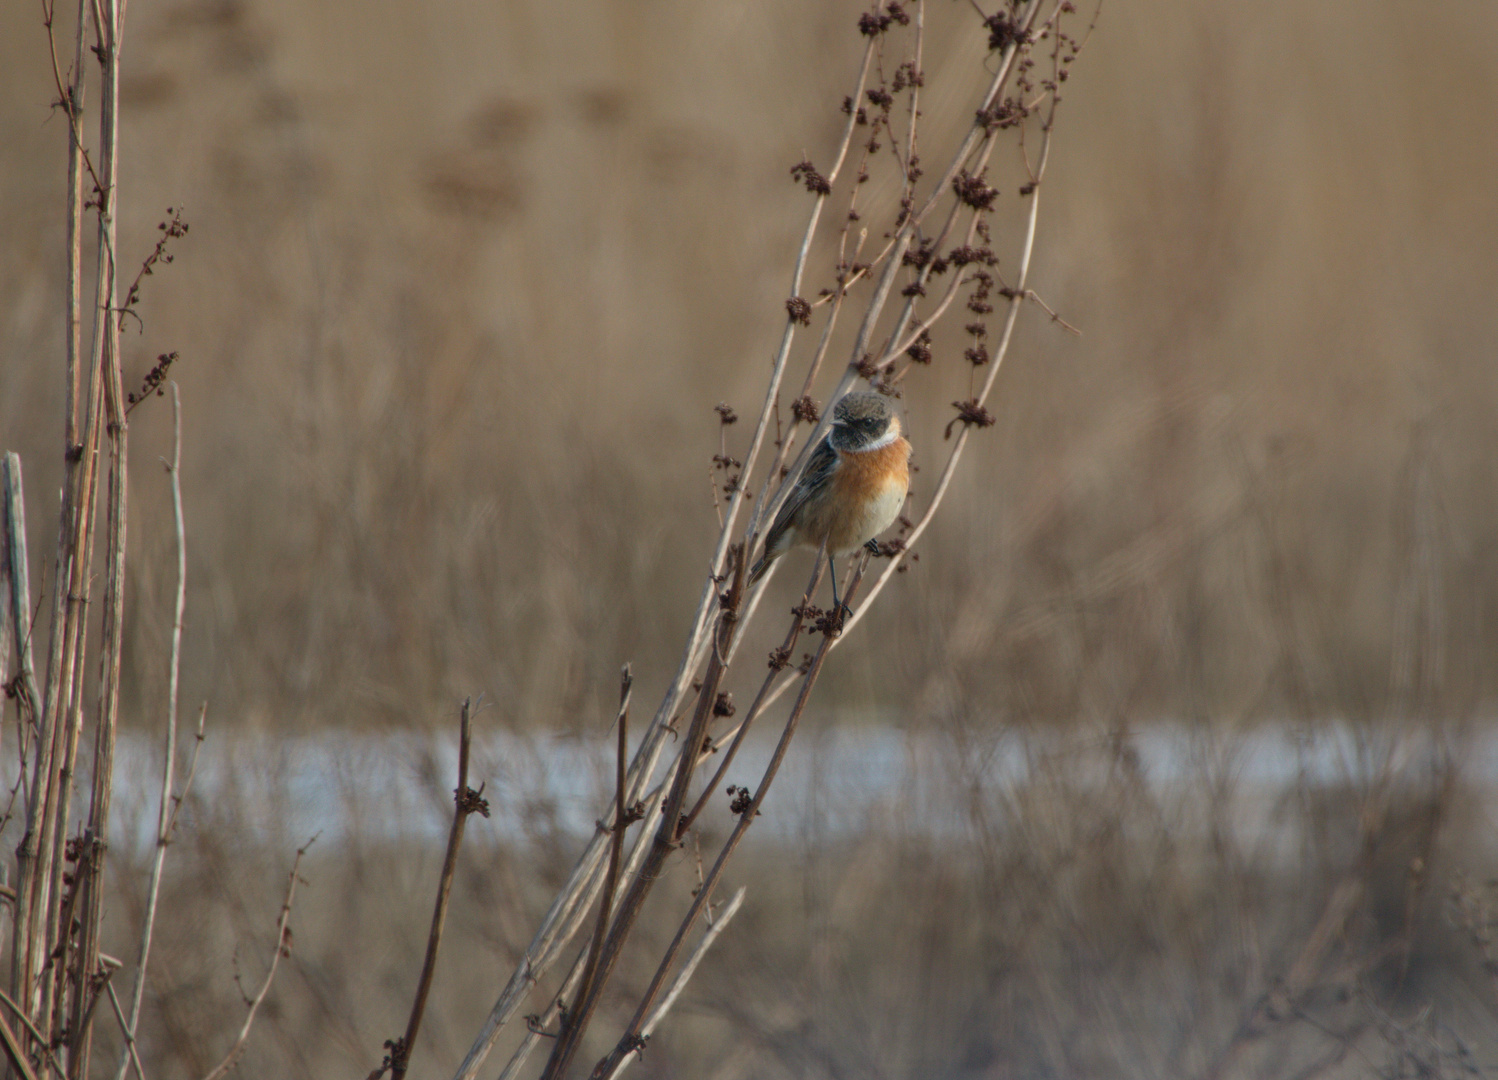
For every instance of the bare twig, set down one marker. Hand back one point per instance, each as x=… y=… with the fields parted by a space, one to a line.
x=166 y=816
x=712 y=642
x=192 y=770
x=29 y=941
x=15 y=1052
x=90 y=870
x=282 y=948
x=559 y=923
x=40 y=1042
x=688 y=969
x=536 y=1026
x=616 y=847
x=465 y=801
x=14 y=575
x=668 y=834
x=132 y=1056
x=633 y=1035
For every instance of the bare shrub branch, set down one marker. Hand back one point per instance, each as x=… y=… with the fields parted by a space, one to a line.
x=282 y=948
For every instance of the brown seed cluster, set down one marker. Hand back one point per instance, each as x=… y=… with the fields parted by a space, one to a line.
x=154 y=381
x=815 y=182
x=969 y=413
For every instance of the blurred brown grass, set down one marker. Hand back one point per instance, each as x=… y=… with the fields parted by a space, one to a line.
x=463 y=286
x=1090 y=918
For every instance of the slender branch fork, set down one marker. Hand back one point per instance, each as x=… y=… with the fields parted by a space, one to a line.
x=466 y=801
x=958 y=203
x=282 y=948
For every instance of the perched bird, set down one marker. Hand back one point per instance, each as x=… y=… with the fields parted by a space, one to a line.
x=852 y=488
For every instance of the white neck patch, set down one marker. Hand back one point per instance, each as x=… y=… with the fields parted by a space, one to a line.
x=890 y=435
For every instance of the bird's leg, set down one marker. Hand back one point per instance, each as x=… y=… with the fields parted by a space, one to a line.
x=840 y=610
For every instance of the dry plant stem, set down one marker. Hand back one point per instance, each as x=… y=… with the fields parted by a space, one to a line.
x=15 y=1053
x=562 y=921
x=701 y=624
x=632 y=1035
x=281 y=949
x=192 y=771
x=616 y=844
x=648 y=754
x=32 y=860
x=41 y=858
x=68 y=724
x=688 y=969
x=555 y=928
x=767 y=411
x=127 y=1032
x=1000 y=351
x=18 y=595
x=668 y=834
x=465 y=802
x=980 y=148
x=652 y=806
x=107 y=332
x=976 y=135
x=165 y=815
x=40 y=1041
x=764 y=696
x=915 y=93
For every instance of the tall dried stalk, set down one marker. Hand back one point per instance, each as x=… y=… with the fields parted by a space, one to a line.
x=466 y=801
x=15 y=600
x=54 y=971
x=166 y=816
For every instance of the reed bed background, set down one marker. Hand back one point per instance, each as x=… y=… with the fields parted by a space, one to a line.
x=461 y=292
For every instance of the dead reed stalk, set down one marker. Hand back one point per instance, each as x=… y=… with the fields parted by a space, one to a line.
x=466 y=801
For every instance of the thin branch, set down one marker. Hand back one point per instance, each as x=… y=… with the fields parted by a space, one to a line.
x=31 y=1029
x=1016 y=300
x=709 y=641
x=17 y=600
x=34 y=877
x=616 y=847
x=282 y=948
x=127 y=1030
x=90 y=870
x=192 y=771
x=536 y=1025
x=632 y=1039
x=165 y=815
x=15 y=1052
x=465 y=801
x=668 y=834
x=688 y=969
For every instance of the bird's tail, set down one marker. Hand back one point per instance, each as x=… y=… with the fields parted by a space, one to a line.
x=757 y=571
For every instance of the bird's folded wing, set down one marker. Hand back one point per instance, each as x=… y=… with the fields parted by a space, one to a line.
x=814 y=480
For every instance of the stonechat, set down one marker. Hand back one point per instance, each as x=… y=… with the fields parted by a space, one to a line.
x=851 y=490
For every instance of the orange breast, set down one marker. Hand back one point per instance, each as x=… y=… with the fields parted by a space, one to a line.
x=868 y=492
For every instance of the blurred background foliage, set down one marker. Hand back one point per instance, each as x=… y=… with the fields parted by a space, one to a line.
x=464 y=284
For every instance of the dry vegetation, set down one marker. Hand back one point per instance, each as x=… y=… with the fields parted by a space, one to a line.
x=461 y=291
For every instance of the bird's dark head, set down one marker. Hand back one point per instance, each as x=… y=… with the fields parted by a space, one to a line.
x=864 y=421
